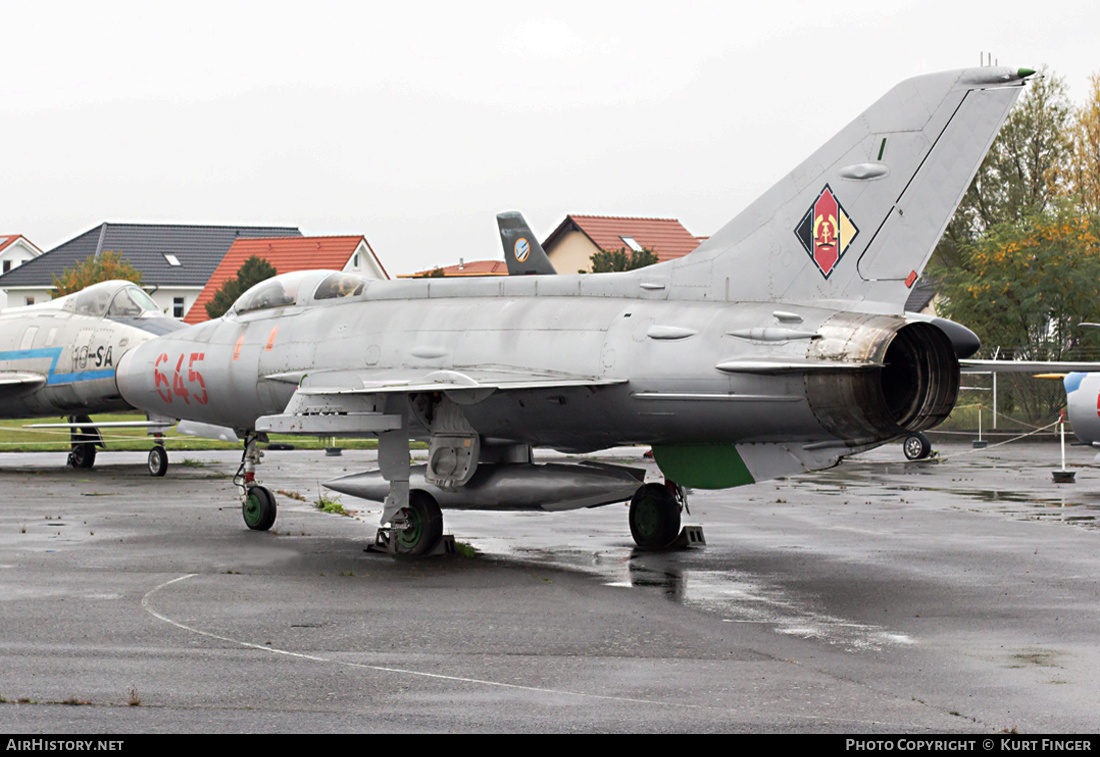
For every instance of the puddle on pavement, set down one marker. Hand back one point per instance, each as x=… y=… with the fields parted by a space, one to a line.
x=736 y=596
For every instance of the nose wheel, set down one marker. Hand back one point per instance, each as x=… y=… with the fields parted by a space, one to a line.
x=259 y=509
x=257 y=502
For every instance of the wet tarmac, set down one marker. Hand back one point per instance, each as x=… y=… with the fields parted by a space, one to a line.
x=956 y=595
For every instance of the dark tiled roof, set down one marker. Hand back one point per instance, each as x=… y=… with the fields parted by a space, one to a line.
x=199 y=249
x=922 y=293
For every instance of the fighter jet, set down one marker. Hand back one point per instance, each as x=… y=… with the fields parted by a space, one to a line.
x=1083 y=405
x=777 y=347
x=1080 y=378
x=522 y=251
x=59 y=357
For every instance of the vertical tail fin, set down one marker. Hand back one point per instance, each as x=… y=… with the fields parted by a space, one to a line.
x=522 y=250
x=858 y=219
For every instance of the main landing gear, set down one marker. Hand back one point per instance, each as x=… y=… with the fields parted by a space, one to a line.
x=83 y=443
x=257 y=502
x=655 y=515
x=158 y=459
x=655 y=518
x=85 y=439
x=416 y=530
x=411 y=522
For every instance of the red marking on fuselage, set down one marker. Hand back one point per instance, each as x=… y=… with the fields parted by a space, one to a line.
x=271 y=339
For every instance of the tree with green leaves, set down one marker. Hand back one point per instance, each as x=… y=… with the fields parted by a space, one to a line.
x=1025 y=287
x=254 y=270
x=105 y=266
x=605 y=261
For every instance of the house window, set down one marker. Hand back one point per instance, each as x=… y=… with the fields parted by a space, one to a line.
x=172 y=259
x=631 y=244
x=7 y=266
x=177 y=307
x=30 y=300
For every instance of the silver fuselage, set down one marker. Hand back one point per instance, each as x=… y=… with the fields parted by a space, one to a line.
x=236 y=369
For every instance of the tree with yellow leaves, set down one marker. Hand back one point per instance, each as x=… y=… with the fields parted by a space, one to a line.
x=1083 y=175
x=93 y=269
x=1025 y=287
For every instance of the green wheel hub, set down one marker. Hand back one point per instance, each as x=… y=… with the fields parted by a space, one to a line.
x=424 y=525
x=253 y=510
x=412 y=533
x=647 y=518
x=258 y=509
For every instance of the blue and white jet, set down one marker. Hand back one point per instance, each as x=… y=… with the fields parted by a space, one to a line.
x=58 y=358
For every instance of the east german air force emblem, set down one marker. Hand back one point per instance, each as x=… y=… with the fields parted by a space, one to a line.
x=826 y=231
x=521 y=249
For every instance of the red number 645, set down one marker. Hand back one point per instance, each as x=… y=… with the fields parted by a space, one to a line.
x=178 y=385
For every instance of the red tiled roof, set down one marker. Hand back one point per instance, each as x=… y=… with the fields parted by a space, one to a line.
x=665 y=236
x=10 y=239
x=287 y=254
x=473 y=268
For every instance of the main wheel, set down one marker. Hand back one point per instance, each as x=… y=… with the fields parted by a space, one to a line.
x=917 y=446
x=425 y=525
x=82 y=455
x=654 y=517
x=259 y=509
x=158 y=461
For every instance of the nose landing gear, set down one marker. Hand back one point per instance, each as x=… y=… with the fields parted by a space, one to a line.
x=257 y=503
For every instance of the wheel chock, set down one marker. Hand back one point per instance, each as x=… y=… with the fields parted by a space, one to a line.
x=446 y=546
x=690 y=536
x=382 y=545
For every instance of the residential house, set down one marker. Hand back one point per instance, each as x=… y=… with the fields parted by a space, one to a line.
x=15 y=250
x=175 y=261
x=287 y=254
x=571 y=245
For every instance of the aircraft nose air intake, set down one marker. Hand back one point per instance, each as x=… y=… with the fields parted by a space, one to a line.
x=914 y=389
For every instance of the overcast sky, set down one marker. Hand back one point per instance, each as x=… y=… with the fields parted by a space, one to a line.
x=414 y=124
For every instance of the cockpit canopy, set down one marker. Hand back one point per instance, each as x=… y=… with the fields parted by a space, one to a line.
x=113 y=299
x=295 y=288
